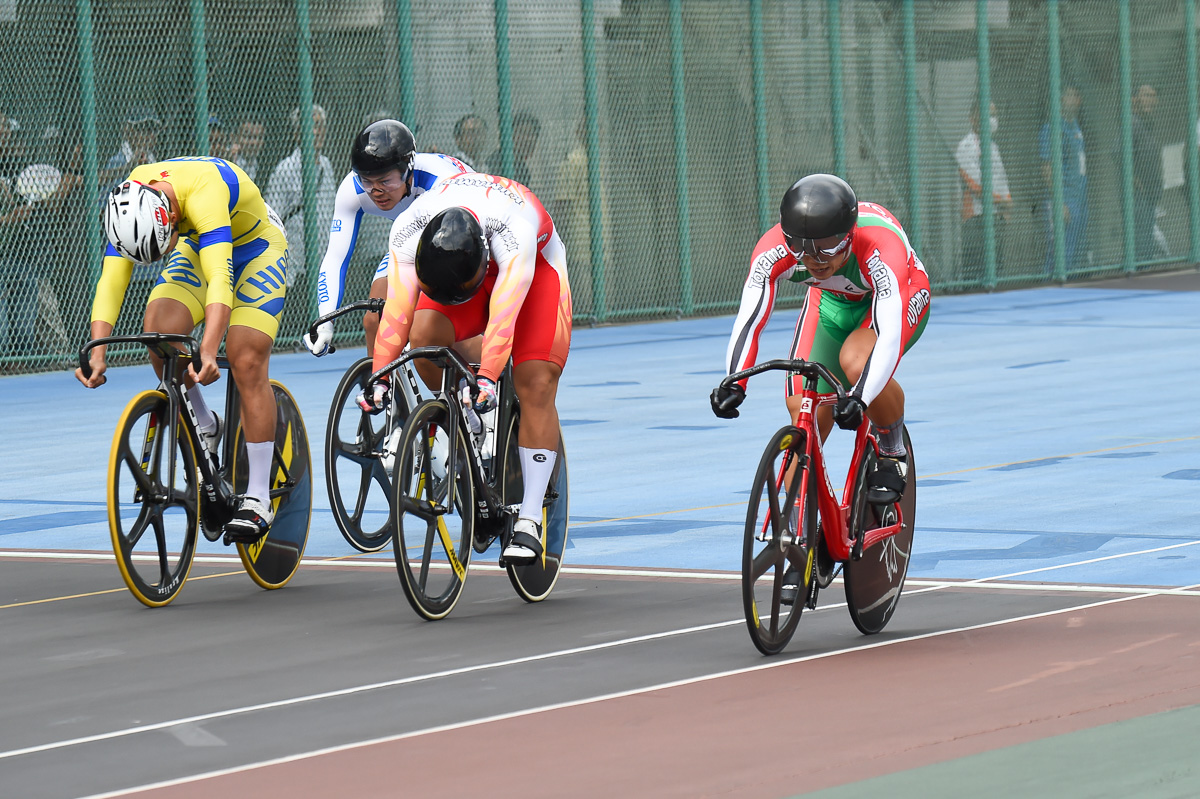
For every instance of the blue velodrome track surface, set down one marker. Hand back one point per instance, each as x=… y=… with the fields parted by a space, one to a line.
x=1055 y=434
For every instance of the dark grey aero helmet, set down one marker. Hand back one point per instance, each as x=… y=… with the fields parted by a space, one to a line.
x=383 y=146
x=452 y=257
x=817 y=207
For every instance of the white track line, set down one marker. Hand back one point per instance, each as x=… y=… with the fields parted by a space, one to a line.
x=561 y=705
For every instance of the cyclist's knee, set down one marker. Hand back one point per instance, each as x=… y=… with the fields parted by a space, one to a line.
x=431 y=329
x=536 y=382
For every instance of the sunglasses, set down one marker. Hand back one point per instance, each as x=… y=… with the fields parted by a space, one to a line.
x=389 y=184
x=802 y=247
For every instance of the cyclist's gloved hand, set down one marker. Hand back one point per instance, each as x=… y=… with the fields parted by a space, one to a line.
x=320 y=345
x=848 y=413
x=377 y=400
x=488 y=396
x=726 y=400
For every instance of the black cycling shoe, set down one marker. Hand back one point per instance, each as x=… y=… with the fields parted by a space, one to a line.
x=886 y=483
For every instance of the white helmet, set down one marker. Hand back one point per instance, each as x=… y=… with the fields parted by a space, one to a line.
x=137 y=221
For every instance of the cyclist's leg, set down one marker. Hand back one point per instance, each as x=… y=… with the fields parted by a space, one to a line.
x=541 y=340
x=176 y=306
x=253 y=323
x=431 y=328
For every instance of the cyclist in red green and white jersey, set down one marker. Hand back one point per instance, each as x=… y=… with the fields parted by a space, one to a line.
x=866 y=305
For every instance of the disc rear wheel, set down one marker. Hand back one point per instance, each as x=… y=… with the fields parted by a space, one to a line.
x=274 y=558
x=874 y=583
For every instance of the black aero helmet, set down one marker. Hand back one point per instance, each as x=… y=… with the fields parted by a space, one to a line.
x=383 y=146
x=817 y=207
x=452 y=257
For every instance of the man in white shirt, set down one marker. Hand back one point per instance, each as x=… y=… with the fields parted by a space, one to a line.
x=970 y=170
x=285 y=193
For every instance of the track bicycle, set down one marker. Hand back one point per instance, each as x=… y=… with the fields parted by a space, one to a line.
x=164 y=484
x=800 y=531
x=360 y=447
x=455 y=490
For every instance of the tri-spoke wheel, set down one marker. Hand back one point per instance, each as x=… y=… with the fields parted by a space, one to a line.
x=432 y=535
x=153 y=499
x=874 y=582
x=779 y=542
x=356 y=465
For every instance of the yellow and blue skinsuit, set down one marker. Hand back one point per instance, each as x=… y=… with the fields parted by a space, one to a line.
x=232 y=248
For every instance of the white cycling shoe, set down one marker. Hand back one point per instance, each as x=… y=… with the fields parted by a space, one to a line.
x=525 y=544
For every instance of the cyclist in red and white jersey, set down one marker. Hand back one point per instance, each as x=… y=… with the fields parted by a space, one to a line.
x=867 y=304
x=479 y=254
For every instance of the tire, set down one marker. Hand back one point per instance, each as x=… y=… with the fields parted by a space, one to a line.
x=432 y=549
x=874 y=583
x=360 y=490
x=144 y=498
x=533 y=582
x=776 y=538
x=274 y=559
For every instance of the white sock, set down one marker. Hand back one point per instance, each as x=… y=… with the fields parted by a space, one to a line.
x=259 y=455
x=204 y=417
x=536 y=468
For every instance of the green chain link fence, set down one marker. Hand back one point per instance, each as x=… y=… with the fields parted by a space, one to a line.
x=660 y=134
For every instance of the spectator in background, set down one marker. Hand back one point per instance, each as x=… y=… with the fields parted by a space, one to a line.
x=1147 y=171
x=33 y=216
x=285 y=194
x=470 y=136
x=525 y=132
x=140 y=140
x=248 y=145
x=220 y=140
x=572 y=208
x=970 y=170
x=1074 y=183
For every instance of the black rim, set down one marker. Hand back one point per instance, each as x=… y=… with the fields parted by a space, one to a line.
x=775 y=539
x=358 y=484
x=874 y=583
x=432 y=550
x=153 y=526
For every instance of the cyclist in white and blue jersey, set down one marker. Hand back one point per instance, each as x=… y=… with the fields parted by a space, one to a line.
x=386 y=175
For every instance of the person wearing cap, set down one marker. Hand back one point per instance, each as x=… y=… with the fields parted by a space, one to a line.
x=139 y=140
x=386 y=175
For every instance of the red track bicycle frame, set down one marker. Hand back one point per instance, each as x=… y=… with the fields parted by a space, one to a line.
x=835 y=515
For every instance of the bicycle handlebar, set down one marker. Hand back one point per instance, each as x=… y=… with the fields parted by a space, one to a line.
x=442 y=356
x=371 y=305
x=798 y=366
x=160 y=341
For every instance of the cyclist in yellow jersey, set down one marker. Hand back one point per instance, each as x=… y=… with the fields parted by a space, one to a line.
x=226 y=266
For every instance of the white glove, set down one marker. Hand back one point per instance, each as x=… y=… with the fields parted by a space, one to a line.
x=324 y=339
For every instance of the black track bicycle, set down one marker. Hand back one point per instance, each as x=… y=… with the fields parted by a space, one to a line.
x=360 y=447
x=454 y=491
x=165 y=486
